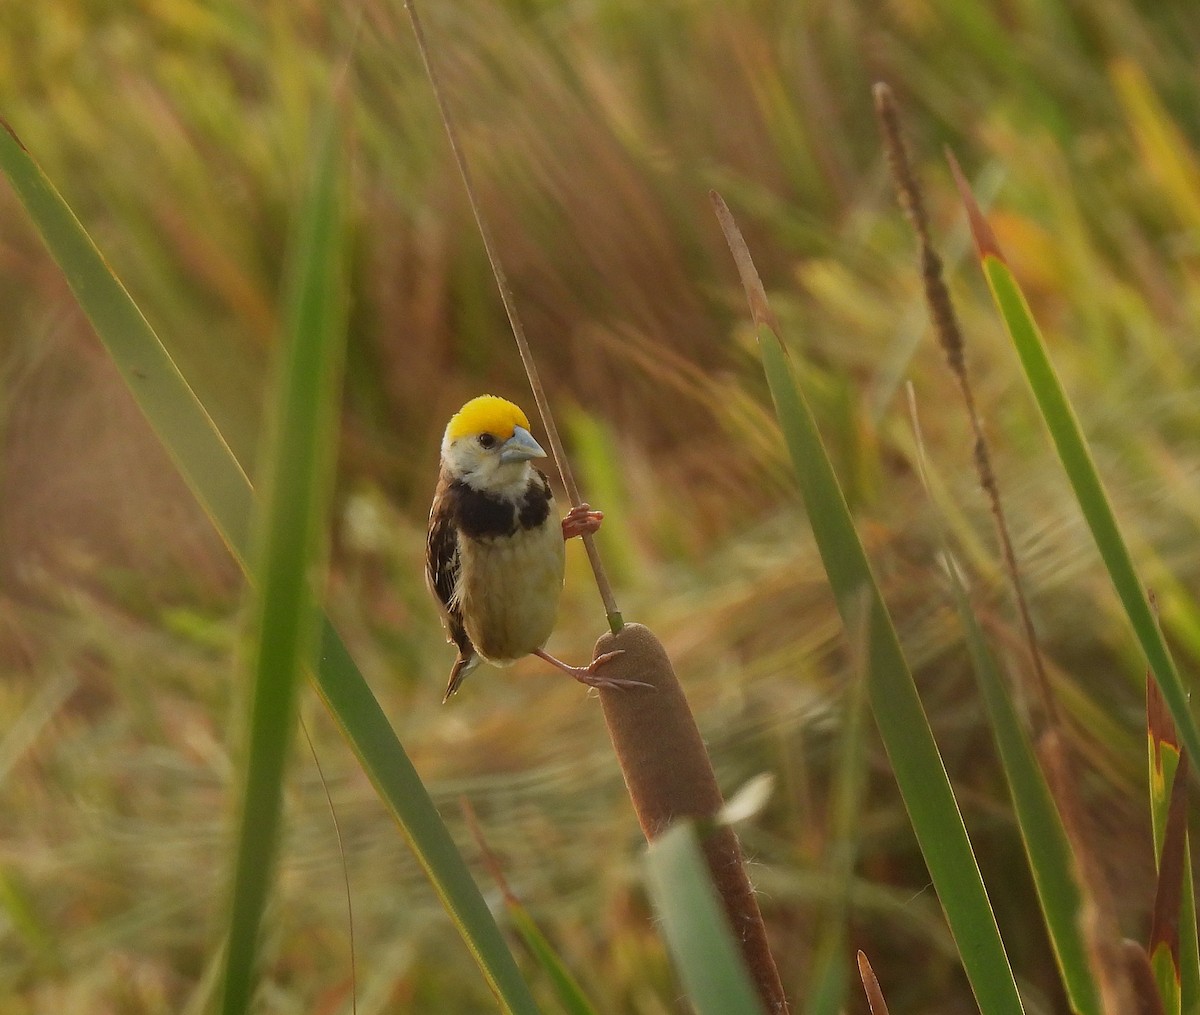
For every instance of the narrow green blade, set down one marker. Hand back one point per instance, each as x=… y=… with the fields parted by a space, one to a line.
x=696 y=928
x=221 y=486
x=897 y=708
x=570 y=994
x=1076 y=459
x=293 y=523
x=184 y=426
x=830 y=978
x=1077 y=462
x=357 y=712
x=1042 y=832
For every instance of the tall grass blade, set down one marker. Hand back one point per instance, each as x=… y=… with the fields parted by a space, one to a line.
x=570 y=994
x=386 y=763
x=221 y=486
x=829 y=980
x=1077 y=462
x=184 y=426
x=1166 y=153
x=1043 y=834
x=290 y=544
x=696 y=928
x=897 y=708
x=1041 y=828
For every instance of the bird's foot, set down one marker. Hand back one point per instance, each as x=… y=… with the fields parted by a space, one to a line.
x=588 y=675
x=581 y=519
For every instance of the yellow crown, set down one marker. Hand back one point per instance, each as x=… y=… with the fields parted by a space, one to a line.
x=486 y=414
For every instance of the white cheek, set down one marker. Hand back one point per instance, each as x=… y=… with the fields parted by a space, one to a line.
x=483 y=469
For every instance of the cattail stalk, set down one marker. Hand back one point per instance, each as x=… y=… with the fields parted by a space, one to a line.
x=666 y=768
x=669 y=776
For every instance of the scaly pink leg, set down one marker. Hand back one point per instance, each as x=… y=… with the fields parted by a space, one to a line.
x=581 y=519
x=588 y=675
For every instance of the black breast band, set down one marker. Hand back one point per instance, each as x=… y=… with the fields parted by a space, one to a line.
x=482 y=515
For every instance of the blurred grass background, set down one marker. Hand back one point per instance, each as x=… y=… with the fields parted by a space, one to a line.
x=175 y=129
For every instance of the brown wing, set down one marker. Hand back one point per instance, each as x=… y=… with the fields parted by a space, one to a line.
x=442 y=566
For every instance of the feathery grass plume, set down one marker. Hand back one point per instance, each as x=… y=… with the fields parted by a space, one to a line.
x=949 y=336
x=669 y=776
x=1098 y=913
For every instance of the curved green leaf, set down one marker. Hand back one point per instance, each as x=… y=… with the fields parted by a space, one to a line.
x=221 y=486
x=1067 y=435
x=1077 y=462
x=290 y=546
x=895 y=703
x=1042 y=831
x=696 y=927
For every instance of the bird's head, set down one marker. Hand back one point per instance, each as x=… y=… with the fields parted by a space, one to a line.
x=488 y=445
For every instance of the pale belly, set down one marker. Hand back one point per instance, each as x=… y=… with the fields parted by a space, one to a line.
x=509 y=589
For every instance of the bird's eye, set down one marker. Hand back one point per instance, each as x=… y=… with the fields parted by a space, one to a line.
x=487 y=440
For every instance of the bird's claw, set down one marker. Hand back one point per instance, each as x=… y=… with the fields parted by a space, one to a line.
x=581 y=520
x=589 y=676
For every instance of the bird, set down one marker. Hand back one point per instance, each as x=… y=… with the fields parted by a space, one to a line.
x=495 y=554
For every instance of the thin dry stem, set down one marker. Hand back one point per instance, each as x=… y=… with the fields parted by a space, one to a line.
x=1097 y=917
x=510 y=307
x=490 y=860
x=949 y=335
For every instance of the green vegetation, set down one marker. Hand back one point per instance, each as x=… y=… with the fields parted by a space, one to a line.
x=177 y=133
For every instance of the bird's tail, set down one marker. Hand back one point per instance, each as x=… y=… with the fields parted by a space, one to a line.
x=463 y=665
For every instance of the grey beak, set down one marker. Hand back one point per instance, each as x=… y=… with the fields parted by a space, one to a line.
x=520 y=447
